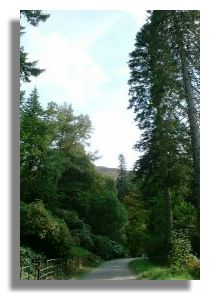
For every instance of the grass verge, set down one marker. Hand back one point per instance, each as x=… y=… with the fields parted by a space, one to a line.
x=145 y=270
x=81 y=271
x=75 y=275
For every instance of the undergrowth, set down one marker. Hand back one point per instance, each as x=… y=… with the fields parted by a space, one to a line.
x=145 y=270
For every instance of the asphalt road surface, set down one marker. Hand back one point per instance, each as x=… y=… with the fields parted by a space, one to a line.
x=116 y=269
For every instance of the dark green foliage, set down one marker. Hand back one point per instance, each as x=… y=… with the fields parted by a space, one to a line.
x=79 y=229
x=33 y=17
x=157 y=248
x=28 y=69
x=137 y=223
x=44 y=156
x=28 y=256
x=118 y=250
x=180 y=250
x=108 y=249
x=38 y=158
x=75 y=184
x=43 y=231
x=185 y=219
x=121 y=180
x=103 y=247
x=78 y=202
x=107 y=216
x=29 y=260
x=165 y=100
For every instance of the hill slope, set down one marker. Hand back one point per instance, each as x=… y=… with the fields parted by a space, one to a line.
x=112 y=172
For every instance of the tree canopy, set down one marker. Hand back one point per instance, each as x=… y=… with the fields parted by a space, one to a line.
x=164 y=93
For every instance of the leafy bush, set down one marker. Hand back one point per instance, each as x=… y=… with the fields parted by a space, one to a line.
x=180 y=250
x=28 y=260
x=108 y=249
x=89 y=259
x=43 y=231
x=71 y=218
x=193 y=266
x=79 y=229
x=118 y=250
x=79 y=252
x=28 y=256
x=103 y=247
x=93 y=260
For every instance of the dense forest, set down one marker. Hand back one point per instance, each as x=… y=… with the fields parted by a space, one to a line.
x=68 y=207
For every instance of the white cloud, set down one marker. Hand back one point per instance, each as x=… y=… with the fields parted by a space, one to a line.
x=115 y=132
x=138 y=15
x=69 y=67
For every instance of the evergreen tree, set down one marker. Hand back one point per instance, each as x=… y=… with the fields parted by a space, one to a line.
x=34 y=17
x=28 y=69
x=34 y=149
x=121 y=180
x=186 y=25
x=158 y=96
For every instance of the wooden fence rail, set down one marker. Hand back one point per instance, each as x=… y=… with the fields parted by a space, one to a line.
x=49 y=269
x=42 y=269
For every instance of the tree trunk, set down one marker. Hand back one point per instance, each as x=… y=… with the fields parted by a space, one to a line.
x=194 y=130
x=167 y=204
x=192 y=116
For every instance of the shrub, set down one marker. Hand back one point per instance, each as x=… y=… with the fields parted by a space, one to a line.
x=89 y=259
x=108 y=249
x=43 y=231
x=103 y=247
x=193 y=266
x=93 y=260
x=118 y=250
x=180 y=250
x=28 y=260
x=79 y=252
x=80 y=231
x=28 y=256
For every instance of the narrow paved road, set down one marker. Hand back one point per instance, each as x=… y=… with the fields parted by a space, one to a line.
x=112 y=270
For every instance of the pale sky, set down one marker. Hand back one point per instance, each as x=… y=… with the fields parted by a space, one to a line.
x=85 y=54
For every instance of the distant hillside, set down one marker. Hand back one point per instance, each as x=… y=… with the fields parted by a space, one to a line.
x=112 y=172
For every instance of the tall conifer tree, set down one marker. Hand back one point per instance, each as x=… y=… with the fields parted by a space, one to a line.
x=164 y=88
